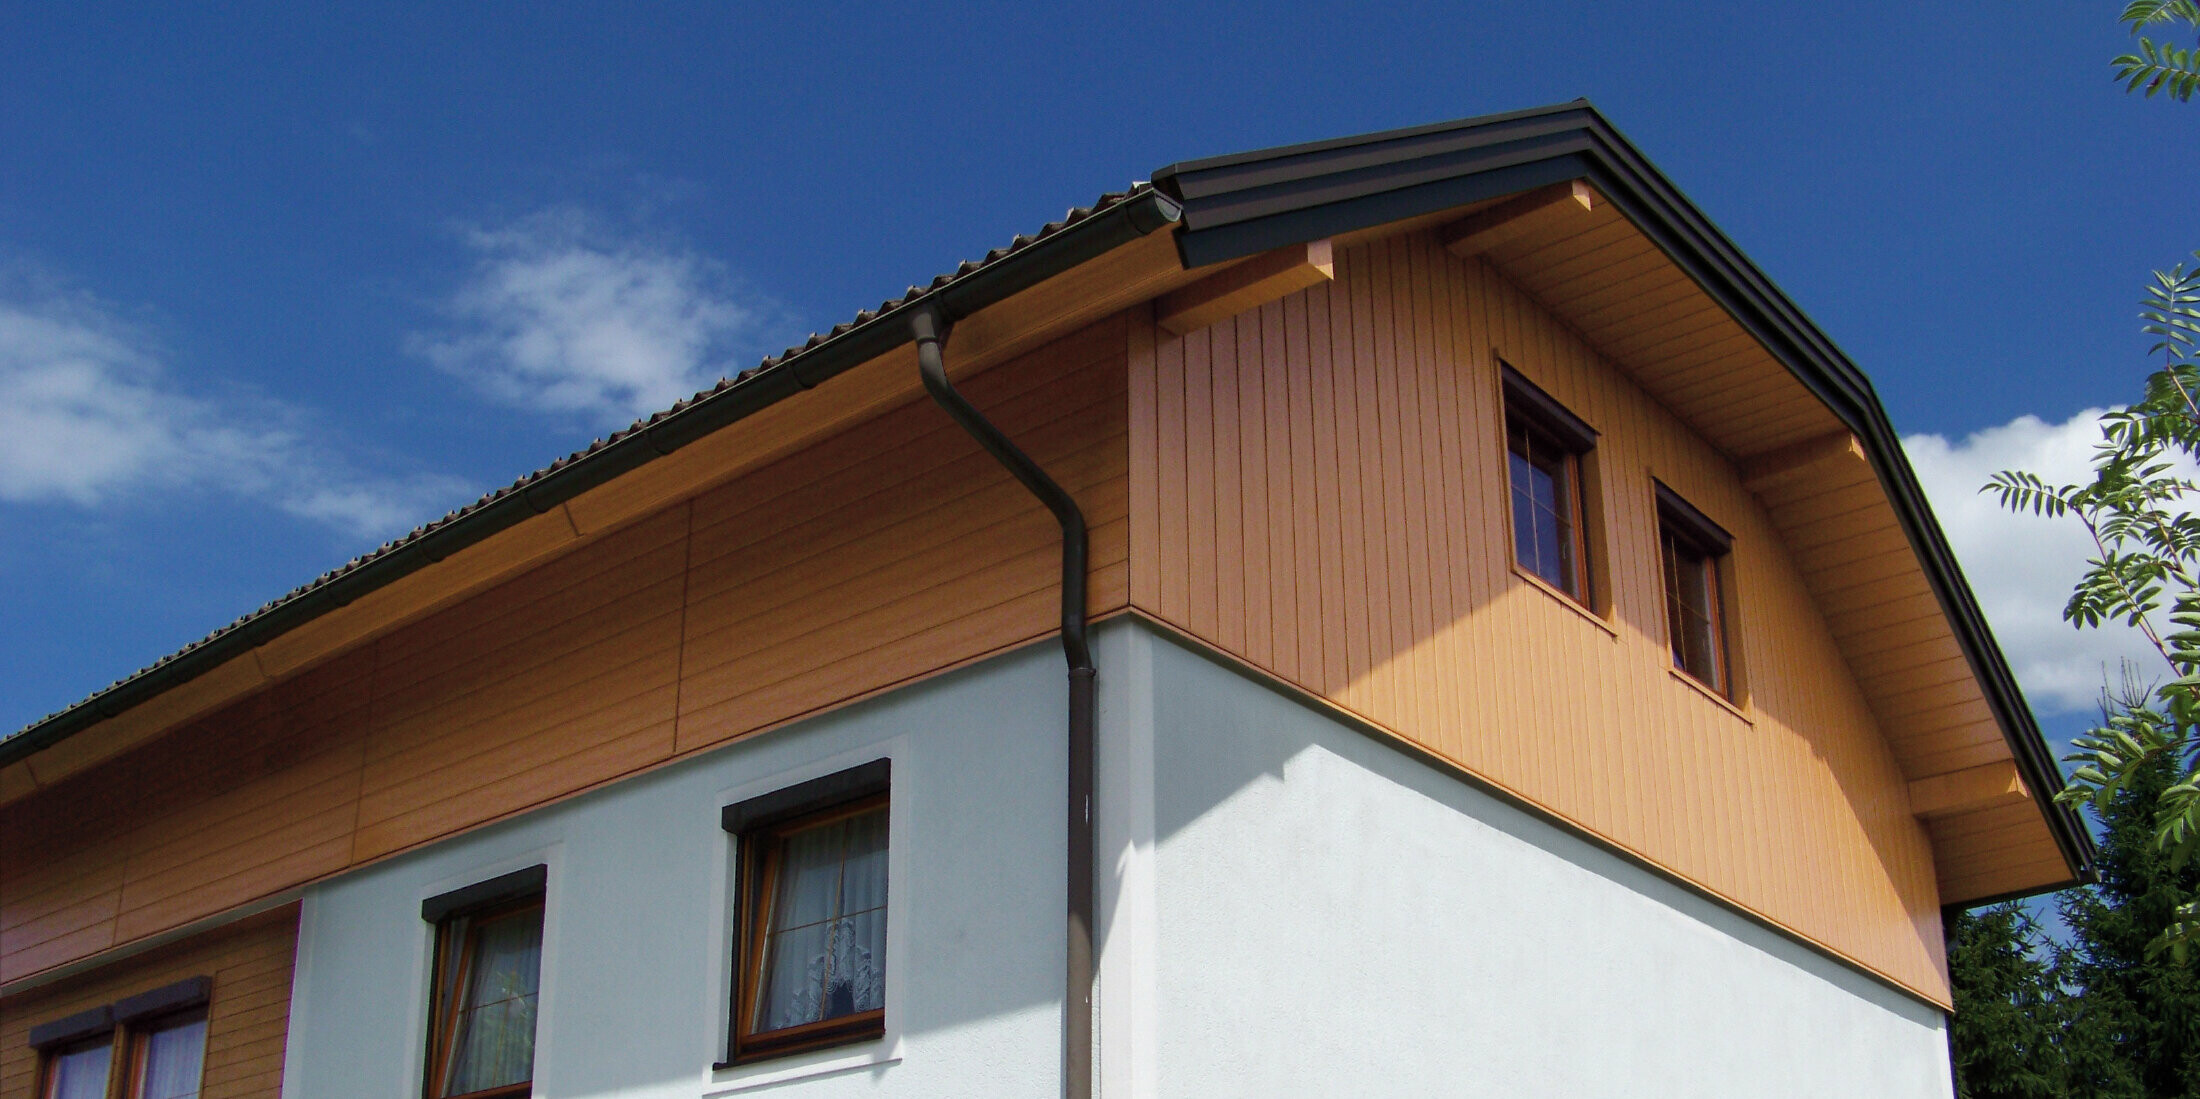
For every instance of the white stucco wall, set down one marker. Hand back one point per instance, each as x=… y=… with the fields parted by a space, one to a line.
x=636 y=936
x=1299 y=910
x=1289 y=908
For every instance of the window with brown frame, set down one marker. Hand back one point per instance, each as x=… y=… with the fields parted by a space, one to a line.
x=168 y=1056
x=160 y=1036
x=1545 y=445
x=1694 y=550
x=810 y=936
x=488 y=977
x=79 y=1069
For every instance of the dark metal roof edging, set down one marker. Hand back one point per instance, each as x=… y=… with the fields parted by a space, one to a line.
x=1248 y=203
x=1083 y=235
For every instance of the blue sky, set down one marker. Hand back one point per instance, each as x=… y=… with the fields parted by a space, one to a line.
x=278 y=282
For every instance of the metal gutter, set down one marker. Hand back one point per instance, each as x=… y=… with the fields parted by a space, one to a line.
x=1248 y=203
x=930 y=329
x=1031 y=260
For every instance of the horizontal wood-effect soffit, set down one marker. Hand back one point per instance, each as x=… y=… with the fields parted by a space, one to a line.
x=1137 y=272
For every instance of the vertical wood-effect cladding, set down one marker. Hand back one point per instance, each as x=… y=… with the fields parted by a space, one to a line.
x=247 y=1015
x=878 y=555
x=1319 y=487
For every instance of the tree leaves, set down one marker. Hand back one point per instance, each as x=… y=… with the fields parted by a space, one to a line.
x=2160 y=66
x=2147 y=569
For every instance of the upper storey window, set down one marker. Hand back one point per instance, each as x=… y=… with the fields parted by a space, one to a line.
x=1545 y=445
x=79 y=1071
x=811 y=947
x=148 y=1046
x=488 y=978
x=1695 y=551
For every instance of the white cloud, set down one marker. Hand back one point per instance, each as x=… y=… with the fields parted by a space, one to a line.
x=2023 y=567
x=88 y=417
x=560 y=315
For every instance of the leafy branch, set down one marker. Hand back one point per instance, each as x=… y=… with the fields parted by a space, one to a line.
x=2160 y=66
x=2146 y=569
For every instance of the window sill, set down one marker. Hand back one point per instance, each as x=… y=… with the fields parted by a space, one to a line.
x=749 y=1075
x=1565 y=600
x=1723 y=702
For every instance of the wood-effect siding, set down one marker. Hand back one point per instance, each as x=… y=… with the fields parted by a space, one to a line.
x=1319 y=487
x=882 y=553
x=247 y=1014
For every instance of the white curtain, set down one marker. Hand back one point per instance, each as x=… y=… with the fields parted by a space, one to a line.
x=174 y=1058
x=826 y=948
x=496 y=1029
x=82 y=1074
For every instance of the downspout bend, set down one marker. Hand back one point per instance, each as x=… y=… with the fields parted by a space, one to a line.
x=930 y=328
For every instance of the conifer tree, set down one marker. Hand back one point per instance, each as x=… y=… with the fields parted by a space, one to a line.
x=2006 y=1038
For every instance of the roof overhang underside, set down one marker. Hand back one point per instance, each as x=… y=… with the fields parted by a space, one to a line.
x=1645 y=279
x=1640 y=274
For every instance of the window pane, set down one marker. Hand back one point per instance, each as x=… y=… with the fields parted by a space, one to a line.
x=863 y=882
x=174 y=1057
x=1544 y=503
x=494 y=1043
x=809 y=877
x=1692 y=611
x=794 y=974
x=80 y=1074
x=832 y=877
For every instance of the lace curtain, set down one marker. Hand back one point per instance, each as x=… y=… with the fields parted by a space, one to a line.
x=174 y=1060
x=826 y=949
x=495 y=1043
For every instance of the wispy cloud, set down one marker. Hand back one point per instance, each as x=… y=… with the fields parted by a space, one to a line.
x=2023 y=567
x=563 y=313
x=89 y=417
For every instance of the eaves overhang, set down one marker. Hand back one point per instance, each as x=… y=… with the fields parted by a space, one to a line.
x=1085 y=234
x=1249 y=203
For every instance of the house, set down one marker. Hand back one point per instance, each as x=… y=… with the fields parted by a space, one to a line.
x=1525 y=665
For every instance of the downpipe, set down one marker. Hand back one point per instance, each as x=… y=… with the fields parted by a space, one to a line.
x=931 y=330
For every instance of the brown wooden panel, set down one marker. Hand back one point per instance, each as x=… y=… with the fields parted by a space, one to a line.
x=1646 y=303
x=1795 y=809
x=879 y=553
x=1638 y=274
x=246 y=1018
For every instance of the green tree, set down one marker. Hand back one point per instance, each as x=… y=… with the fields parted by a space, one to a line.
x=2007 y=1036
x=2147 y=570
x=2160 y=66
x=2133 y=1022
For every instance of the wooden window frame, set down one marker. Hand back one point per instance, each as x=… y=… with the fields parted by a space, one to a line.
x=1681 y=523
x=759 y=827
x=121 y=1027
x=49 y=1055
x=519 y=891
x=1541 y=418
x=139 y=1041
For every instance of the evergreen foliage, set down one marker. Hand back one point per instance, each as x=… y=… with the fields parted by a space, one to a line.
x=2135 y=1021
x=2105 y=1016
x=2006 y=1036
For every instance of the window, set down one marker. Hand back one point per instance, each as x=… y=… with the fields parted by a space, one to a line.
x=810 y=937
x=161 y=1033
x=79 y=1070
x=168 y=1057
x=1544 y=446
x=488 y=976
x=1694 y=550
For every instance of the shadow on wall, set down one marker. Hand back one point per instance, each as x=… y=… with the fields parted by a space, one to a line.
x=1222 y=735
